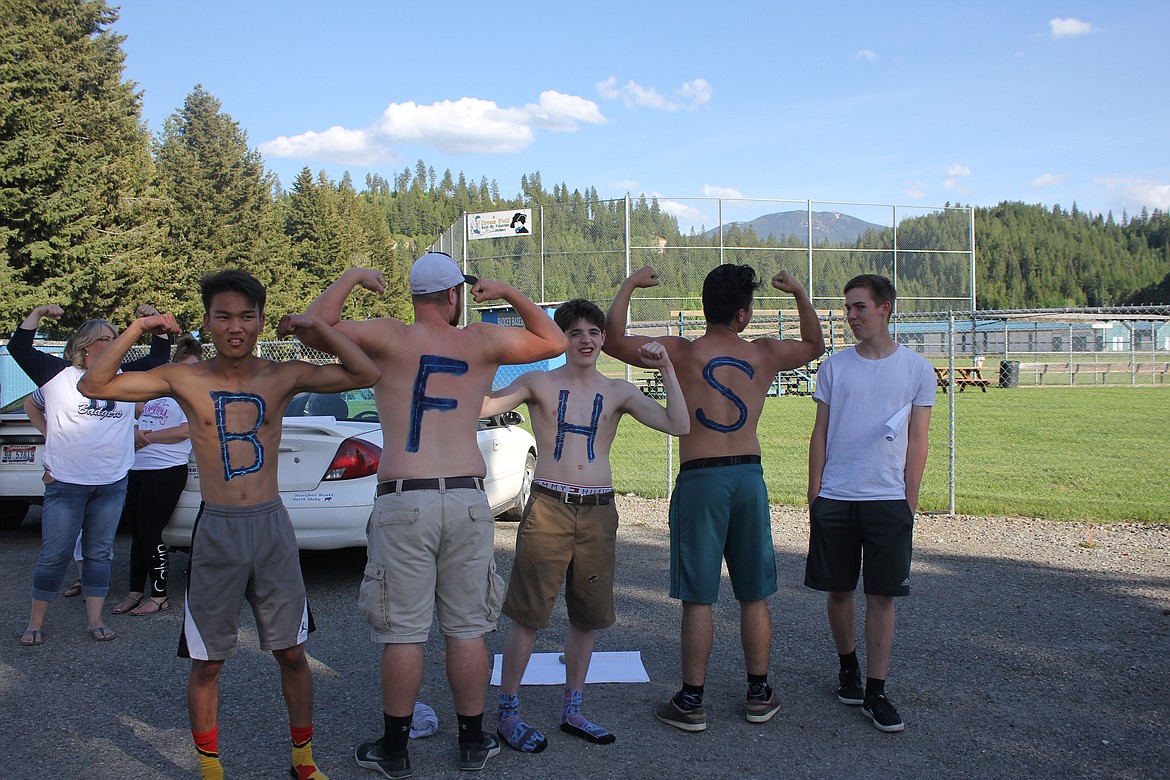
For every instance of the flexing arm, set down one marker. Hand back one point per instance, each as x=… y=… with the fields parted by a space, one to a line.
x=328 y=304
x=916 y=448
x=811 y=345
x=355 y=369
x=540 y=339
x=39 y=366
x=102 y=379
x=507 y=398
x=674 y=419
x=617 y=342
x=160 y=347
x=817 y=448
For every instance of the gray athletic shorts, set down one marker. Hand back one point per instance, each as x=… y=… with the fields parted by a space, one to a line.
x=243 y=552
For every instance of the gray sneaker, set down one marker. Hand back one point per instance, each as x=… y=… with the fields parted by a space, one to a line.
x=473 y=758
x=396 y=766
x=849 y=690
x=688 y=720
x=762 y=710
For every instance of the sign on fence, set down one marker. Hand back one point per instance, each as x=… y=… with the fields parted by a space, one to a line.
x=497 y=224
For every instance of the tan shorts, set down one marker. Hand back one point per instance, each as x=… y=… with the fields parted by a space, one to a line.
x=562 y=543
x=426 y=549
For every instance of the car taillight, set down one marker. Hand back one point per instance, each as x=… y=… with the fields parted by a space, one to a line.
x=355 y=458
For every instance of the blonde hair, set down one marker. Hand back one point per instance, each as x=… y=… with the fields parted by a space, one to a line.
x=187 y=346
x=87 y=333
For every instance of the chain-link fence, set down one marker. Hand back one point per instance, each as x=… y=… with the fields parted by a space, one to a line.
x=585 y=249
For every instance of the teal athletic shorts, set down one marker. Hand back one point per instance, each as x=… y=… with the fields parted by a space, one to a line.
x=718 y=513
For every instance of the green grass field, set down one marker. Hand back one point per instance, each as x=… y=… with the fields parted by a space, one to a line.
x=1077 y=453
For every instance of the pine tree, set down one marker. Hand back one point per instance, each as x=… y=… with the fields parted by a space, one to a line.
x=219 y=207
x=76 y=209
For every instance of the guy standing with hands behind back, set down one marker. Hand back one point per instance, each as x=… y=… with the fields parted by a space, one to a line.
x=719 y=508
x=865 y=464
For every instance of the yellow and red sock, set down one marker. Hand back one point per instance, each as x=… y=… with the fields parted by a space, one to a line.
x=207 y=743
x=302 y=754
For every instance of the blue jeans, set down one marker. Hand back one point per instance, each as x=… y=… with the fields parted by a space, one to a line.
x=94 y=510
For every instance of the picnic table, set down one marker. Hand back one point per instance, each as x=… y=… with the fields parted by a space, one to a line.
x=965 y=376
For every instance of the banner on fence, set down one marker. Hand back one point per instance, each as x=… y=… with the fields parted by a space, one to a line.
x=498 y=224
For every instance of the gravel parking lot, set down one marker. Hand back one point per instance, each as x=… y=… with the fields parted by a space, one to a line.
x=1028 y=649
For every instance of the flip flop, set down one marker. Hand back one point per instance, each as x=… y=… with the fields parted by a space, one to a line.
x=151 y=606
x=100 y=633
x=128 y=605
x=73 y=590
x=32 y=637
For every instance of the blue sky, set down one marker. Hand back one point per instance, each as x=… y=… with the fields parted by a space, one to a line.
x=907 y=103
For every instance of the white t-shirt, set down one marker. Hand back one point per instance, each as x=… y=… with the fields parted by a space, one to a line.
x=156 y=415
x=869 y=403
x=87 y=442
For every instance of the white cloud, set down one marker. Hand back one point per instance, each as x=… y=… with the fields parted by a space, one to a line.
x=348 y=147
x=915 y=189
x=867 y=55
x=950 y=184
x=685 y=214
x=464 y=126
x=1065 y=28
x=958 y=170
x=1048 y=179
x=629 y=185
x=691 y=95
x=1138 y=192
x=711 y=191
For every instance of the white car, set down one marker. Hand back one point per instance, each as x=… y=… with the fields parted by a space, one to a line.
x=21 y=468
x=329 y=454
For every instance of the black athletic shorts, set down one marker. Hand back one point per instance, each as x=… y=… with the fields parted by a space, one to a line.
x=872 y=538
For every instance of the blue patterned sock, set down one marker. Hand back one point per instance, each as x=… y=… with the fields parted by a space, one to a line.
x=513 y=730
x=573 y=722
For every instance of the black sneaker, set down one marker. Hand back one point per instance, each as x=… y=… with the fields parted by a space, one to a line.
x=369 y=755
x=849 y=690
x=881 y=711
x=473 y=757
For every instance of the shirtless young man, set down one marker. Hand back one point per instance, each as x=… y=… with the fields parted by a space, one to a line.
x=719 y=507
x=569 y=531
x=431 y=535
x=243 y=545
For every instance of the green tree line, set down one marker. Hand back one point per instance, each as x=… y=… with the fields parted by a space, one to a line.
x=99 y=215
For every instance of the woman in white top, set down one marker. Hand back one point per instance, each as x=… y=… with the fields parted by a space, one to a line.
x=157 y=480
x=89 y=448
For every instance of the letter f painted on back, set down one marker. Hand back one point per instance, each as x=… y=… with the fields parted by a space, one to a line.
x=420 y=402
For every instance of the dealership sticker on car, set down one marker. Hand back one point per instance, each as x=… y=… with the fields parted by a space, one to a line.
x=19 y=453
x=311 y=498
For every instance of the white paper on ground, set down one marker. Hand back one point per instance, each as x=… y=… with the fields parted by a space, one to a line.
x=546 y=669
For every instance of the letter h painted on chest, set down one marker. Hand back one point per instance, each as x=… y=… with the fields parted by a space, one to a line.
x=588 y=431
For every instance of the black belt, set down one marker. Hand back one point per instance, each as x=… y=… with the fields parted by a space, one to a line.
x=725 y=460
x=588 y=499
x=438 y=483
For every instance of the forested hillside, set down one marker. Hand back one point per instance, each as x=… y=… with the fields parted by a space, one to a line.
x=97 y=215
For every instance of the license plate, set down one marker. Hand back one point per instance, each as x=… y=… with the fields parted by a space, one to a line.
x=19 y=453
